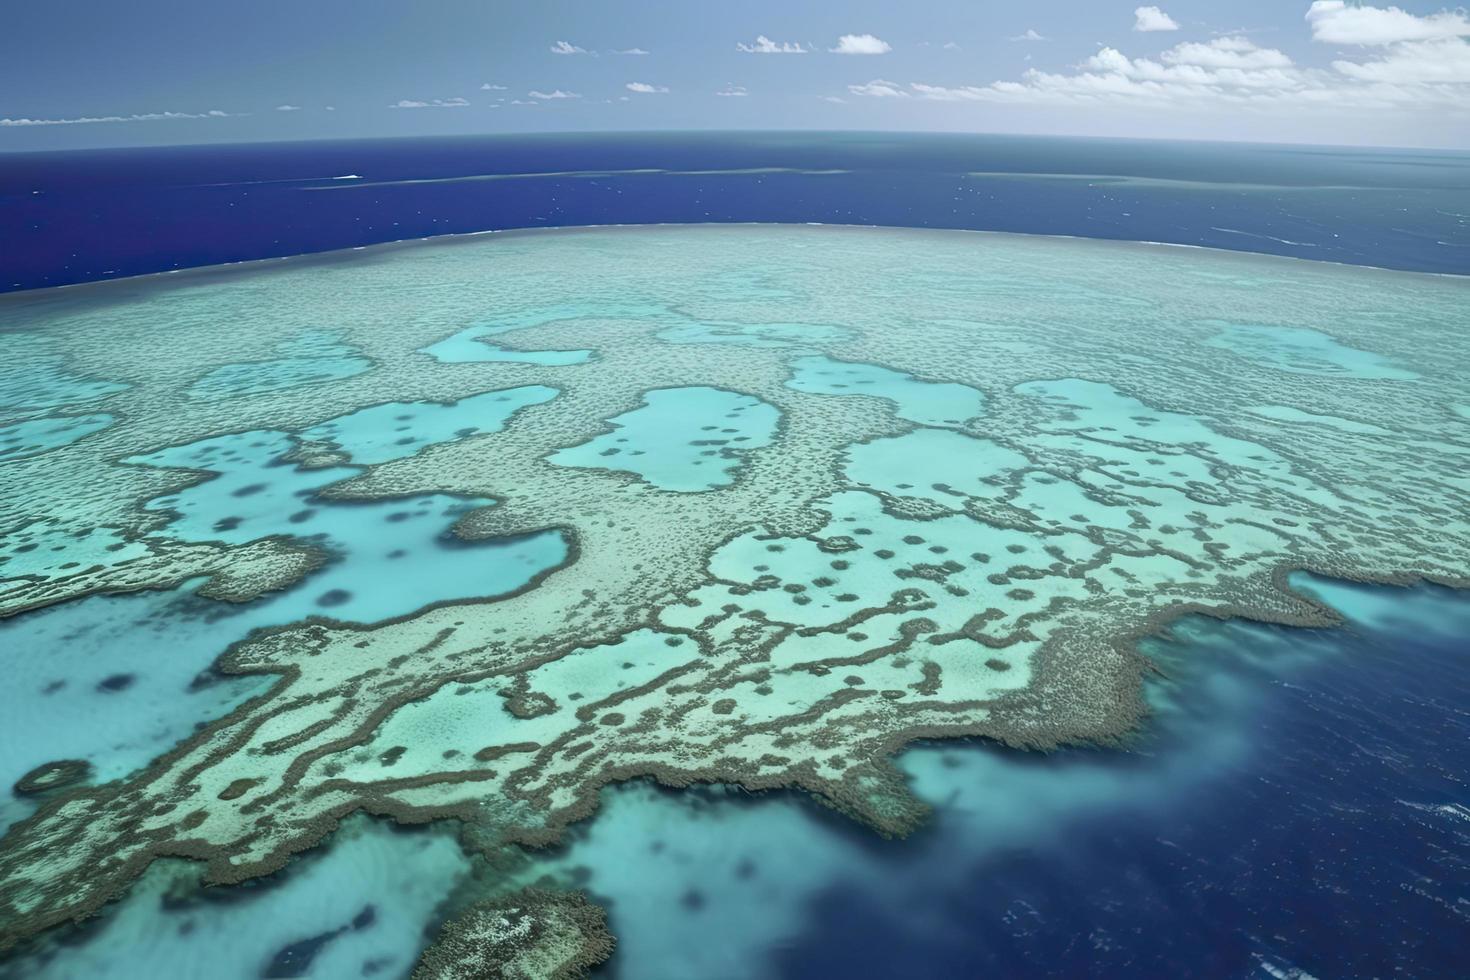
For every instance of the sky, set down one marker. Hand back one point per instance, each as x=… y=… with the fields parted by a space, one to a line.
x=85 y=73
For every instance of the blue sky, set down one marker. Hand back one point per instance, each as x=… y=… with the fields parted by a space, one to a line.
x=84 y=73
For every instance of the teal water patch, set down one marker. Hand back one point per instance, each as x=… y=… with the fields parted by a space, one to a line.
x=1284 y=413
x=681 y=439
x=118 y=680
x=36 y=436
x=357 y=909
x=312 y=358
x=469 y=345
x=50 y=547
x=490 y=723
x=756 y=334
x=1297 y=350
x=925 y=402
x=393 y=555
x=940 y=466
x=1388 y=609
x=398 y=429
x=32 y=379
x=1136 y=443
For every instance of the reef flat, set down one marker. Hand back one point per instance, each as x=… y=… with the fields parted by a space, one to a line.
x=749 y=505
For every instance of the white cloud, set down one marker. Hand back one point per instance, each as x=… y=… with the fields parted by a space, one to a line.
x=861 y=44
x=1442 y=62
x=833 y=98
x=330 y=108
x=764 y=45
x=566 y=47
x=1225 y=52
x=733 y=91
x=487 y=87
x=879 y=89
x=951 y=46
x=555 y=93
x=454 y=103
x=135 y=117
x=643 y=88
x=1030 y=35
x=1153 y=19
x=631 y=51
x=1336 y=22
x=1232 y=74
x=288 y=108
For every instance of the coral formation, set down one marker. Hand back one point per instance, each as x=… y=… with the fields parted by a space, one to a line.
x=962 y=475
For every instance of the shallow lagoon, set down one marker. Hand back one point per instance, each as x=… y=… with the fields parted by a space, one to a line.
x=758 y=536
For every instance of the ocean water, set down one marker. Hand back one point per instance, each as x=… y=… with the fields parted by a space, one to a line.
x=1292 y=810
x=83 y=215
x=353 y=577
x=1298 y=803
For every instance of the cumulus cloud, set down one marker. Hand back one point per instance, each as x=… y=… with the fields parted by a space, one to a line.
x=1153 y=19
x=879 y=89
x=1232 y=73
x=1030 y=35
x=555 y=93
x=631 y=51
x=487 y=87
x=951 y=46
x=733 y=91
x=643 y=88
x=1440 y=63
x=454 y=103
x=861 y=44
x=764 y=45
x=134 y=117
x=566 y=47
x=288 y=108
x=1336 y=22
x=1225 y=52
x=833 y=98
x=1425 y=55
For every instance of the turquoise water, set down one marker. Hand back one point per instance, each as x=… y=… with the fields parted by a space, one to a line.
x=1305 y=352
x=521 y=517
x=680 y=439
x=469 y=345
x=926 y=403
x=395 y=554
x=358 y=908
x=118 y=680
x=36 y=436
x=313 y=357
x=387 y=432
x=34 y=378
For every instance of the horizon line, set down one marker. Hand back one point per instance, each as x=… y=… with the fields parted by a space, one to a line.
x=610 y=132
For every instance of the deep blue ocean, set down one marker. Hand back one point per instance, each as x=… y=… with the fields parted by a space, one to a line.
x=76 y=216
